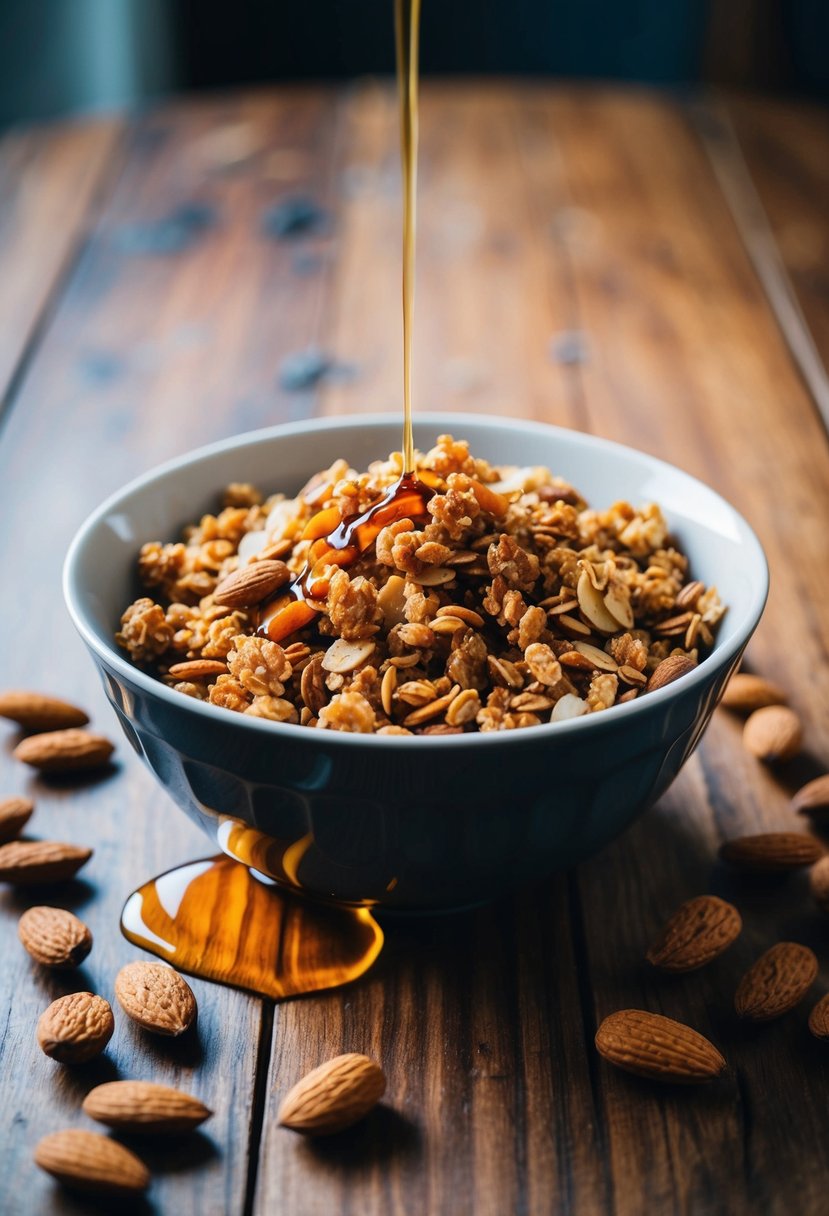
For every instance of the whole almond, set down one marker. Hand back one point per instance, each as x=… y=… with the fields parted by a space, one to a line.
x=144 y=1108
x=819 y=883
x=778 y=980
x=36 y=711
x=812 y=799
x=773 y=733
x=698 y=931
x=64 y=751
x=198 y=669
x=654 y=1046
x=251 y=584
x=75 y=1028
x=771 y=852
x=744 y=693
x=29 y=862
x=14 y=815
x=819 y=1018
x=91 y=1163
x=54 y=937
x=156 y=997
x=670 y=669
x=333 y=1096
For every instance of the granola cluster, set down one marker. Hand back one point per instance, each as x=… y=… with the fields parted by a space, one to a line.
x=508 y=604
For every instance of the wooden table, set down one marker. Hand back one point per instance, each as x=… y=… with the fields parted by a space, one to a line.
x=619 y=262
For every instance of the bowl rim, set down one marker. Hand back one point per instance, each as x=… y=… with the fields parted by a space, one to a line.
x=720 y=656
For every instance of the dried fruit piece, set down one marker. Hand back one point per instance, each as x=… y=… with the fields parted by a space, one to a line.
x=64 y=751
x=75 y=1028
x=333 y=1096
x=670 y=669
x=819 y=1018
x=773 y=733
x=144 y=1108
x=156 y=997
x=778 y=980
x=91 y=1163
x=654 y=1046
x=28 y=862
x=745 y=693
x=698 y=931
x=812 y=799
x=54 y=937
x=37 y=711
x=14 y=815
x=819 y=882
x=251 y=584
x=771 y=852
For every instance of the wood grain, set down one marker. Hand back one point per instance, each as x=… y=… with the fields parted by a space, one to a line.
x=578 y=263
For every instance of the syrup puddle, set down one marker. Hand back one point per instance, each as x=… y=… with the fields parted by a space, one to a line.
x=216 y=920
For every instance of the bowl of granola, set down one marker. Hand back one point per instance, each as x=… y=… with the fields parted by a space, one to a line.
x=414 y=693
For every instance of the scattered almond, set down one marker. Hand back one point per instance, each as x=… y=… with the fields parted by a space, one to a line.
x=29 y=862
x=251 y=584
x=75 y=1028
x=670 y=669
x=36 y=711
x=698 y=931
x=771 y=852
x=54 y=937
x=91 y=1163
x=744 y=693
x=14 y=815
x=156 y=997
x=812 y=799
x=819 y=1018
x=819 y=882
x=333 y=1096
x=654 y=1046
x=773 y=733
x=63 y=751
x=144 y=1108
x=778 y=980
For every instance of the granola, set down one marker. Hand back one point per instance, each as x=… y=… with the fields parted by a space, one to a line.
x=509 y=603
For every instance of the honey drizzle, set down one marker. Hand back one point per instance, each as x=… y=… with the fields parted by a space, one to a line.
x=407 y=29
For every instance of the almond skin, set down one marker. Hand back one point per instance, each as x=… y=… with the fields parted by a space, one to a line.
x=698 y=931
x=819 y=883
x=54 y=937
x=36 y=711
x=812 y=799
x=333 y=1096
x=198 y=669
x=91 y=1163
x=144 y=1108
x=29 y=862
x=657 y=1047
x=15 y=813
x=771 y=852
x=251 y=584
x=64 y=751
x=819 y=1018
x=156 y=997
x=670 y=669
x=778 y=980
x=744 y=693
x=75 y=1028
x=774 y=733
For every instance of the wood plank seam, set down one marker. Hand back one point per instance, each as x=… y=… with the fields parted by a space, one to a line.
x=712 y=123
x=105 y=184
x=257 y=1115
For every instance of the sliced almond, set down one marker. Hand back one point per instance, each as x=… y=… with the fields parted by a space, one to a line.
x=433 y=709
x=387 y=687
x=54 y=937
x=617 y=602
x=467 y=615
x=598 y=658
x=333 y=1096
x=434 y=576
x=144 y=1108
x=36 y=711
x=391 y=600
x=156 y=997
x=91 y=1163
x=568 y=706
x=75 y=1028
x=592 y=605
x=14 y=815
x=342 y=657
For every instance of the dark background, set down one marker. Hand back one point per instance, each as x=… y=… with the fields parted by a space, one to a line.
x=63 y=56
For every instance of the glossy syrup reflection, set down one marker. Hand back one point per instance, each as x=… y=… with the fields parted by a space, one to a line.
x=216 y=920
